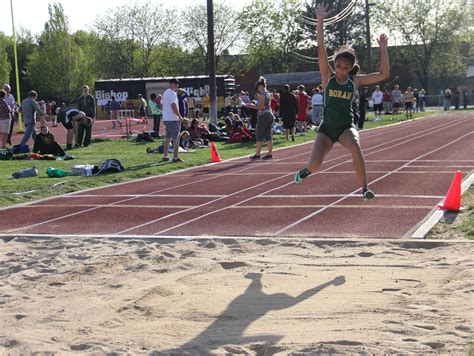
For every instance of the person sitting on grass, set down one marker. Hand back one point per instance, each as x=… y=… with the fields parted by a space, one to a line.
x=199 y=134
x=70 y=118
x=46 y=144
x=184 y=141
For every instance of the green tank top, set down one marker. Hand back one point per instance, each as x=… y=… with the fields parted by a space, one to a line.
x=338 y=99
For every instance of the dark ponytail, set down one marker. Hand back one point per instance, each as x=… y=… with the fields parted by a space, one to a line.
x=261 y=81
x=354 y=70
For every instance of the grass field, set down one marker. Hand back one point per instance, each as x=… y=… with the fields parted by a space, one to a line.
x=137 y=164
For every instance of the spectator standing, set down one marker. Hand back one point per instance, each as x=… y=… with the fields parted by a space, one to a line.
x=396 y=99
x=191 y=105
x=275 y=103
x=422 y=99
x=142 y=106
x=301 y=118
x=29 y=108
x=245 y=100
x=447 y=99
x=54 y=111
x=155 y=112
x=317 y=104
x=114 y=111
x=377 y=98
x=172 y=120
x=84 y=130
x=408 y=102
x=288 y=111
x=228 y=104
x=387 y=102
x=363 y=102
x=456 y=98
x=10 y=99
x=264 y=120
x=206 y=104
x=465 y=98
x=5 y=119
x=183 y=102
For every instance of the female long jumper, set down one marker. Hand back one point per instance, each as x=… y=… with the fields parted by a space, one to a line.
x=339 y=87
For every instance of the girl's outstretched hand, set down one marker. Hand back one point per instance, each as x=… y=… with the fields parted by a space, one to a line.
x=321 y=11
x=383 y=41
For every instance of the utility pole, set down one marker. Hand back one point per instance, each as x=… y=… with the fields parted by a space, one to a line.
x=367 y=34
x=212 y=62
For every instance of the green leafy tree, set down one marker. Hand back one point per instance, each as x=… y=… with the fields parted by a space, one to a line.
x=55 y=66
x=128 y=37
x=226 y=33
x=430 y=35
x=271 y=33
x=349 y=29
x=5 y=66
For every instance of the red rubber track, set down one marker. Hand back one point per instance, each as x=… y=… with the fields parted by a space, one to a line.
x=410 y=167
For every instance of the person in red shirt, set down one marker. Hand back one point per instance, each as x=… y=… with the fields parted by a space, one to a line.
x=275 y=102
x=301 y=117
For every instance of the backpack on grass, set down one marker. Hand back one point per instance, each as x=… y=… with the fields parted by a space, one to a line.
x=109 y=166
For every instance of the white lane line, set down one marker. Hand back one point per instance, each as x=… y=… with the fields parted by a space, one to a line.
x=421 y=230
x=143 y=196
x=318 y=206
x=289 y=183
x=355 y=195
x=375 y=180
x=111 y=206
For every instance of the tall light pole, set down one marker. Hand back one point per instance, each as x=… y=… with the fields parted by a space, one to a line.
x=212 y=62
x=20 y=123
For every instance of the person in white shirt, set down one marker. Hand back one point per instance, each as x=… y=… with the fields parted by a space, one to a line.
x=317 y=104
x=377 y=97
x=172 y=120
x=10 y=99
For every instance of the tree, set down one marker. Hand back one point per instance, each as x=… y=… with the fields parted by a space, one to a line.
x=431 y=35
x=348 y=30
x=194 y=35
x=128 y=37
x=55 y=66
x=271 y=33
x=5 y=66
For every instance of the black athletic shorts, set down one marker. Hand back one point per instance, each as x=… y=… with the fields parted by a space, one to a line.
x=332 y=131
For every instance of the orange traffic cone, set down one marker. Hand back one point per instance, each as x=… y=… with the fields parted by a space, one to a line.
x=214 y=154
x=452 y=202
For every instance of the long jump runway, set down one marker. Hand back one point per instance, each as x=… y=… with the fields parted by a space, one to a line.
x=410 y=167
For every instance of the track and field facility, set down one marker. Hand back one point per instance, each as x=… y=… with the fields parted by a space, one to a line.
x=410 y=167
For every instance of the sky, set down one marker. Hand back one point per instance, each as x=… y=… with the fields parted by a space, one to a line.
x=32 y=14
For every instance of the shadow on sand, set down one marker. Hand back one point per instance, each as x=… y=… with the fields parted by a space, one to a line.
x=248 y=307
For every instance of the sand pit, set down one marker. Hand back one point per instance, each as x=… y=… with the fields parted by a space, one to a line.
x=259 y=297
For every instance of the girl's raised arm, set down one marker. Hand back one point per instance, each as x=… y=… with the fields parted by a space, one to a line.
x=324 y=67
x=377 y=77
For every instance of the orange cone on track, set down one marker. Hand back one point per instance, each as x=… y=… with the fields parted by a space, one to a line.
x=452 y=202
x=214 y=154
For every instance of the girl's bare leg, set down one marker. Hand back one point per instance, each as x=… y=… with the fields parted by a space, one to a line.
x=350 y=140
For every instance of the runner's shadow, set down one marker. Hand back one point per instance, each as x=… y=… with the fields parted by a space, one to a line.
x=230 y=326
